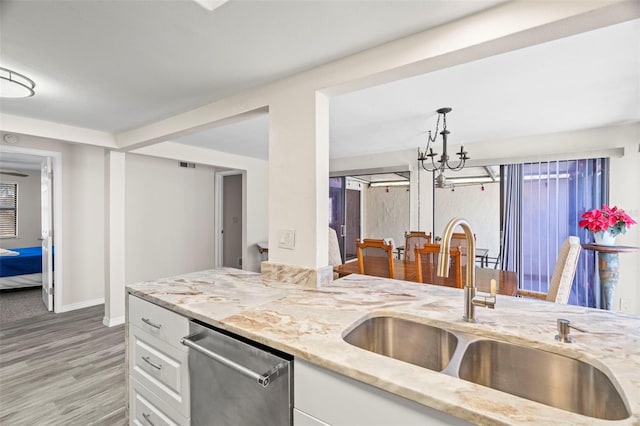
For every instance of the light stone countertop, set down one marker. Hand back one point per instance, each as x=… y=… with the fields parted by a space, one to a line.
x=310 y=323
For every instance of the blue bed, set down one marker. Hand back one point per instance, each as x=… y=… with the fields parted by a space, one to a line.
x=24 y=270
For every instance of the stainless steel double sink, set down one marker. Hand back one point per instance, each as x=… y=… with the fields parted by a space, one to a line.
x=537 y=375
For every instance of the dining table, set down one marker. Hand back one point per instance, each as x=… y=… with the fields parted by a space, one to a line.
x=506 y=281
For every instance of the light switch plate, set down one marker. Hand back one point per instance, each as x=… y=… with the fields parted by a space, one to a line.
x=287 y=238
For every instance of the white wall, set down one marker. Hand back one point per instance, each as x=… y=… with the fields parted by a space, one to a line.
x=625 y=193
x=169 y=218
x=255 y=190
x=82 y=220
x=28 y=210
x=480 y=208
x=386 y=213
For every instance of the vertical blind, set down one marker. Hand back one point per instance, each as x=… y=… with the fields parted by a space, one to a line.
x=8 y=209
x=554 y=195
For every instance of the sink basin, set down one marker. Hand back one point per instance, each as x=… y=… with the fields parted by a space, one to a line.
x=544 y=377
x=419 y=344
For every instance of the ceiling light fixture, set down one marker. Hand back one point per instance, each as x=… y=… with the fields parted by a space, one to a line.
x=211 y=5
x=389 y=183
x=15 y=85
x=443 y=162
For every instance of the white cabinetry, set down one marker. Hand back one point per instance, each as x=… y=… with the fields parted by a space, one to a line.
x=158 y=365
x=324 y=398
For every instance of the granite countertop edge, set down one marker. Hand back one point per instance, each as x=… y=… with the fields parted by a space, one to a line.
x=310 y=323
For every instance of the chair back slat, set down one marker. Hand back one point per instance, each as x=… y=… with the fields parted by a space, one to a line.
x=458 y=239
x=411 y=239
x=426 y=259
x=375 y=257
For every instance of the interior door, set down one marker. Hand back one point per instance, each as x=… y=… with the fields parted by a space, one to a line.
x=336 y=210
x=353 y=222
x=344 y=215
x=46 y=233
x=232 y=221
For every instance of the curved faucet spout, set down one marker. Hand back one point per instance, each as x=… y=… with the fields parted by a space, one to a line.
x=470 y=299
x=443 y=258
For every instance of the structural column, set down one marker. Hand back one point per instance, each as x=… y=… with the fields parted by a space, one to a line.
x=114 y=291
x=298 y=187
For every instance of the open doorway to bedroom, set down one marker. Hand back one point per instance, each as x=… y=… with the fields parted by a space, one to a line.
x=27 y=195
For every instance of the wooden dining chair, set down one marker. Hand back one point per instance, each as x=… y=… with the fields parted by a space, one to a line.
x=375 y=257
x=427 y=264
x=458 y=239
x=412 y=238
x=563 y=273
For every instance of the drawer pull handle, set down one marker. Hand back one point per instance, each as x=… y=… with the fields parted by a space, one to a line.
x=151 y=323
x=147 y=417
x=151 y=363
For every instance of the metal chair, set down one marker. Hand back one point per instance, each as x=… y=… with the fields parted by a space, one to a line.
x=412 y=238
x=427 y=264
x=375 y=257
x=563 y=273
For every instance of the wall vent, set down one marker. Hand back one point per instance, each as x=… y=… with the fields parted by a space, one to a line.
x=187 y=165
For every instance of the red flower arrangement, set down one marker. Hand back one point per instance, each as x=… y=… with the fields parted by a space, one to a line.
x=611 y=219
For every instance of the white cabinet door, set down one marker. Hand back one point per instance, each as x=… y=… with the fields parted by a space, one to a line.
x=338 y=400
x=46 y=234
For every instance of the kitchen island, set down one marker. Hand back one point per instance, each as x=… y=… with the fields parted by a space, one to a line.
x=310 y=324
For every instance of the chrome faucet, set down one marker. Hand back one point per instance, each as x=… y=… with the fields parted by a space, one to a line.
x=470 y=298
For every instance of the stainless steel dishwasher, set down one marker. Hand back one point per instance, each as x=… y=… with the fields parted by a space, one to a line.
x=235 y=381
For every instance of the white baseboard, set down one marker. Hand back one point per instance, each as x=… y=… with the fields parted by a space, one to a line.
x=80 y=305
x=110 y=322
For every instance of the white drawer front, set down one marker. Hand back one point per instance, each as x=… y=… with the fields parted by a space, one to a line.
x=160 y=367
x=146 y=411
x=159 y=322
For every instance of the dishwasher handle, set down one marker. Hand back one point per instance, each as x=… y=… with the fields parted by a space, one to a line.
x=263 y=379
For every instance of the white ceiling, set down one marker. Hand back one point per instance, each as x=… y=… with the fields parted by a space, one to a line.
x=117 y=65
x=584 y=81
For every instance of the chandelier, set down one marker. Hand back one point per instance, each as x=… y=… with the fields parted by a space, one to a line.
x=15 y=85
x=443 y=163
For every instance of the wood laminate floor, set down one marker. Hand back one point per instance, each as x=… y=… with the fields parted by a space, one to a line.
x=62 y=369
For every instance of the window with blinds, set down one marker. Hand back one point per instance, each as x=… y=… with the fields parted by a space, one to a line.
x=8 y=210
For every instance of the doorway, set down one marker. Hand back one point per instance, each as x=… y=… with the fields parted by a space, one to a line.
x=35 y=178
x=229 y=219
x=345 y=214
x=369 y=206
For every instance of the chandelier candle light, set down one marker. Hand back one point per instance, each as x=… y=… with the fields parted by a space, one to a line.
x=443 y=162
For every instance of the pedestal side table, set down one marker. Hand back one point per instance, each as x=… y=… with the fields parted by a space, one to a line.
x=608 y=268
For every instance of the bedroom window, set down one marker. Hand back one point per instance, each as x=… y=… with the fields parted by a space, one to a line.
x=8 y=210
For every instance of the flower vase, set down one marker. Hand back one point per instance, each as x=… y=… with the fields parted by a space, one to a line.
x=604 y=238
